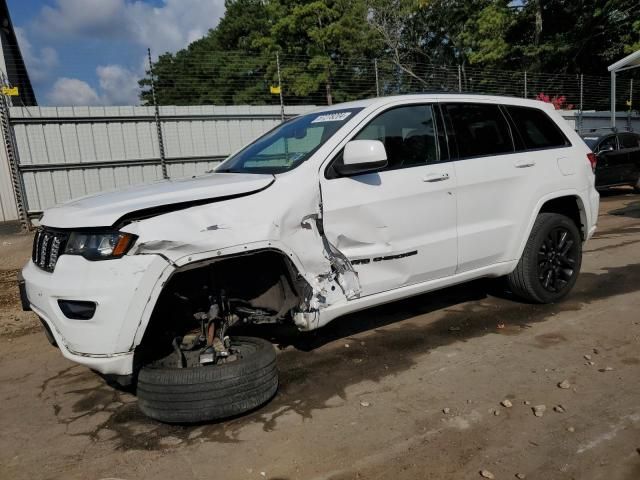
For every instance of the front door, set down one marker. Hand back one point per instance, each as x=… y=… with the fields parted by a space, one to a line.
x=397 y=226
x=611 y=162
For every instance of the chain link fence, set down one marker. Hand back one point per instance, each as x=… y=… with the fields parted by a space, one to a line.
x=233 y=78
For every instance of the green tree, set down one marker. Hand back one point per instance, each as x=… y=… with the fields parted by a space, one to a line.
x=327 y=47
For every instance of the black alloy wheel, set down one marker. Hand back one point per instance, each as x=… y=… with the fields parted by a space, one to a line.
x=557 y=259
x=551 y=260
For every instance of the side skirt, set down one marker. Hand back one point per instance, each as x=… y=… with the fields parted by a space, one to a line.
x=328 y=314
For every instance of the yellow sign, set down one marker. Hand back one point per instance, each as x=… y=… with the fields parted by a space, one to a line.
x=628 y=103
x=275 y=90
x=12 y=92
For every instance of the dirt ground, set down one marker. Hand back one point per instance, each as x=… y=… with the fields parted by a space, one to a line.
x=409 y=390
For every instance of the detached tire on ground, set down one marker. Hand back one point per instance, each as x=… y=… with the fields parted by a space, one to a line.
x=551 y=261
x=212 y=392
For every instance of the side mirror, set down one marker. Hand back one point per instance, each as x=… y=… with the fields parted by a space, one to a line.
x=608 y=148
x=362 y=156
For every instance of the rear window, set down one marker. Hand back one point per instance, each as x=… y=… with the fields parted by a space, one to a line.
x=479 y=129
x=536 y=129
x=591 y=141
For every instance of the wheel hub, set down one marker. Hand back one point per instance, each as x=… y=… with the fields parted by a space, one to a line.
x=557 y=259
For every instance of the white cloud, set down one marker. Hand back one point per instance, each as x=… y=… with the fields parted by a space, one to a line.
x=165 y=28
x=40 y=63
x=118 y=85
x=169 y=27
x=72 y=91
x=82 y=17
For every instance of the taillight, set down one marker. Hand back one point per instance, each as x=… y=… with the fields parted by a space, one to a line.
x=593 y=160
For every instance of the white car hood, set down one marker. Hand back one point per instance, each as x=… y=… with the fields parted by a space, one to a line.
x=108 y=208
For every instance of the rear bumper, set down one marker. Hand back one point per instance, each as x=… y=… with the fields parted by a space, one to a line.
x=592 y=207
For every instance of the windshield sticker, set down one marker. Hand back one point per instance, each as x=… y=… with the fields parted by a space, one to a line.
x=590 y=138
x=331 y=117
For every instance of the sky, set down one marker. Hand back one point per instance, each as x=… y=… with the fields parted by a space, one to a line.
x=92 y=52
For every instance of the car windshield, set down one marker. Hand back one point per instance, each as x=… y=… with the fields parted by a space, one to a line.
x=591 y=141
x=288 y=145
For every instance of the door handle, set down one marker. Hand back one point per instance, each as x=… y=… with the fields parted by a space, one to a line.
x=436 y=177
x=525 y=163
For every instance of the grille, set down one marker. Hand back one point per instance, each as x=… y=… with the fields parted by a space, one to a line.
x=47 y=247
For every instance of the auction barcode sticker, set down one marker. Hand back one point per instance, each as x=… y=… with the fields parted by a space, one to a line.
x=331 y=117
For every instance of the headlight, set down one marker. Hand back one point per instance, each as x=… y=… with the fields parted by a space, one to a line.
x=99 y=245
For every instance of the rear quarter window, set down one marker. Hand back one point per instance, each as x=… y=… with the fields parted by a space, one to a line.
x=535 y=128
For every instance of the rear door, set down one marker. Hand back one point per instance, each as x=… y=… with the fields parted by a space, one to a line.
x=504 y=155
x=630 y=145
x=397 y=226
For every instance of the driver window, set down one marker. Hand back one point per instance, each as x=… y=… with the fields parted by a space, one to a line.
x=408 y=134
x=609 y=143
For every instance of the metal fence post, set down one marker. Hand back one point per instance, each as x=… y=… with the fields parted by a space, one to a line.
x=375 y=67
x=629 y=128
x=581 y=102
x=526 y=89
x=13 y=159
x=613 y=100
x=280 y=87
x=163 y=160
x=459 y=78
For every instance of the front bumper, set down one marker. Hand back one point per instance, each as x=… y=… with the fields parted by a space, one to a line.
x=24 y=301
x=114 y=364
x=124 y=290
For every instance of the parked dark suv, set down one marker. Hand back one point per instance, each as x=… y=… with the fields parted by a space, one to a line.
x=618 y=159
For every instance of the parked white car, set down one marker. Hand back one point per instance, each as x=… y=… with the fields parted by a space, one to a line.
x=338 y=210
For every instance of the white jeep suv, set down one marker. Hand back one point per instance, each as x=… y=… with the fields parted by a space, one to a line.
x=334 y=211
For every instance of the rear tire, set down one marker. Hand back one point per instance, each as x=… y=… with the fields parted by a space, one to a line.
x=212 y=392
x=551 y=261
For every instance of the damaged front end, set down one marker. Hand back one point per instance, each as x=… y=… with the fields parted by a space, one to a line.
x=323 y=293
x=202 y=301
x=261 y=258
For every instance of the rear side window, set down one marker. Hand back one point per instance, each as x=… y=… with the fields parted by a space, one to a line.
x=536 y=129
x=628 y=140
x=479 y=129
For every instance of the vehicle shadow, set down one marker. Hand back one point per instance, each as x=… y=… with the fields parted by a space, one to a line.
x=373 y=318
x=631 y=210
x=615 y=192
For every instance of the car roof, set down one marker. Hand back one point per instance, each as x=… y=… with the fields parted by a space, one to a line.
x=436 y=96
